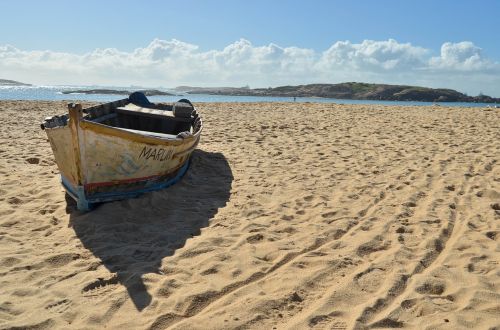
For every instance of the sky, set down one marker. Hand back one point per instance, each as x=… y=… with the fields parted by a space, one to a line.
x=448 y=44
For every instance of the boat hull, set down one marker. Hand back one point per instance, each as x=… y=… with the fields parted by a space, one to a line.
x=99 y=163
x=87 y=199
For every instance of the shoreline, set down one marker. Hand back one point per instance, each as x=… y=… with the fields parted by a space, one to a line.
x=202 y=98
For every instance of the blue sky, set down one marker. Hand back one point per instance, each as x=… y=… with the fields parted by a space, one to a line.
x=67 y=31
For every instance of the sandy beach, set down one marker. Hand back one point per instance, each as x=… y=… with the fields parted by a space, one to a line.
x=291 y=216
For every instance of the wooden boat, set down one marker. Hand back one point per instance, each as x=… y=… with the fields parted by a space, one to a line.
x=122 y=149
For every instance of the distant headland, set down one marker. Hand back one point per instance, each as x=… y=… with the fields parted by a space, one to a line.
x=350 y=91
x=6 y=82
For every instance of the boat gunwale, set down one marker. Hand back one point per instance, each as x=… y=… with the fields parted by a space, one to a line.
x=90 y=116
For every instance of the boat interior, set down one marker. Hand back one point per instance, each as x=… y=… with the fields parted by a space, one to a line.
x=151 y=118
x=156 y=118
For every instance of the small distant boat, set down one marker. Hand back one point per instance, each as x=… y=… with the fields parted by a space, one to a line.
x=122 y=149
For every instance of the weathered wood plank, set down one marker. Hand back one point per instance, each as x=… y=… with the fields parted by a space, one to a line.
x=152 y=113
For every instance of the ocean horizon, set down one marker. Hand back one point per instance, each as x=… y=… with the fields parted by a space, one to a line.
x=55 y=93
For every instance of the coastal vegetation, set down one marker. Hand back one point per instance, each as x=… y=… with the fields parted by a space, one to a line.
x=349 y=90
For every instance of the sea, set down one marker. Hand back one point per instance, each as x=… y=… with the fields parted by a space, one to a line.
x=54 y=93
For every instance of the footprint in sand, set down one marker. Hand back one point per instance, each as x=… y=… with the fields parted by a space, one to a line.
x=376 y=244
x=15 y=201
x=322 y=320
x=59 y=306
x=288 y=230
x=255 y=238
x=48 y=210
x=370 y=279
x=9 y=262
x=482 y=265
x=209 y=271
x=410 y=204
x=308 y=198
x=33 y=160
x=61 y=259
x=496 y=208
x=431 y=286
x=409 y=303
x=492 y=235
x=93 y=289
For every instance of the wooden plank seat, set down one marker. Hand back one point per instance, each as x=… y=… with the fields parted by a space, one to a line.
x=134 y=110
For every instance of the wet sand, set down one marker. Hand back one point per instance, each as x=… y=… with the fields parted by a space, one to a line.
x=291 y=216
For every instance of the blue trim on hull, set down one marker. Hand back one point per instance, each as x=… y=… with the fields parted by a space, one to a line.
x=85 y=203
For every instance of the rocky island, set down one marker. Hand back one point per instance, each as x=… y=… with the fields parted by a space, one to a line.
x=350 y=91
x=6 y=82
x=147 y=92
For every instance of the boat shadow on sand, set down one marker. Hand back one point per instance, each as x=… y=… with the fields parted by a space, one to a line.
x=132 y=237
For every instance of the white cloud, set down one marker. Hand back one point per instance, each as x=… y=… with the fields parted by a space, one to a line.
x=172 y=63
x=374 y=55
x=463 y=56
